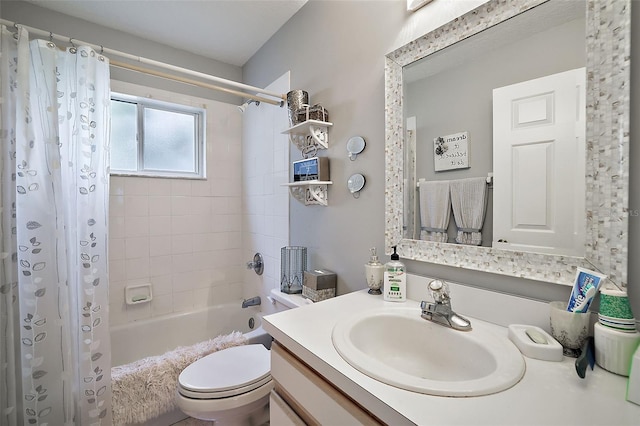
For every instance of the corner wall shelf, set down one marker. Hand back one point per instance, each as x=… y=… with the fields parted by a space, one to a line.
x=310 y=192
x=316 y=131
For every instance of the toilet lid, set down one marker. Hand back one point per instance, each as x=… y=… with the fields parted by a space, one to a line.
x=231 y=368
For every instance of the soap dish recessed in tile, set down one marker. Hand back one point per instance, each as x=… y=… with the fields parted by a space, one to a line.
x=544 y=347
x=136 y=294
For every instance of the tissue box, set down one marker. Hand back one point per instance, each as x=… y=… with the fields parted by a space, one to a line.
x=319 y=285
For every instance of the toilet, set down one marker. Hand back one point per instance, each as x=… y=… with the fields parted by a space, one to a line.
x=232 y=386
x=228 y=386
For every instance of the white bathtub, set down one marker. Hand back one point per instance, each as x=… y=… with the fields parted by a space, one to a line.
x=155 y=336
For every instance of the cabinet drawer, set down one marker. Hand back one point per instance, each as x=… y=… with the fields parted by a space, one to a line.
x=314 y=399
x=281 y=414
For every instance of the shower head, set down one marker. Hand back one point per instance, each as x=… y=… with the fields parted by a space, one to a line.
x=244 y=106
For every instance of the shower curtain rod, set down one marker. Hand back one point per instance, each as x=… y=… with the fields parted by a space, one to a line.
x=110 y=52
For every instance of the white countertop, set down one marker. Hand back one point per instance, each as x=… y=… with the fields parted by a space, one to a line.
x=550 y=393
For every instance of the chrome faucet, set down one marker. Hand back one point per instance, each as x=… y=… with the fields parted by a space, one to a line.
x=254 y=301
x=440 y=310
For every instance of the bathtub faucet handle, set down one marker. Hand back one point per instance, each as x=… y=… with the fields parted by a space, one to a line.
x=257 y=264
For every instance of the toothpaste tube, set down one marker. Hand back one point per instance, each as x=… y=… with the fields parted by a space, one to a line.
x=584 y=290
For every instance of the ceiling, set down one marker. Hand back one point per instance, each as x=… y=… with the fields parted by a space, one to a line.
x=229 y=31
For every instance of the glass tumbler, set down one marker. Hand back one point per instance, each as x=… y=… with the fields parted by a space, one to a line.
x=293 y=263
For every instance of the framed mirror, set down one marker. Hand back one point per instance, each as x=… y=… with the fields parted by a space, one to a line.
x=607 y=41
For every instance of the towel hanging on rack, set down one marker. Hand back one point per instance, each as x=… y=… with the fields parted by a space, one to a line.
x=469 y=201
x=435 y=210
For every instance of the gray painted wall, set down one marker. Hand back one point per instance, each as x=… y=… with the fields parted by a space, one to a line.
x=459 y=98
x=335 y=51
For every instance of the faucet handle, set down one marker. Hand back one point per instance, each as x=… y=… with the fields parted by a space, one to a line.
x=257 y=264
x=427 y=307
x=439 y=290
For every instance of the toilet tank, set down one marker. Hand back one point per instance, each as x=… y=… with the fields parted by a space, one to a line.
x=283 y=301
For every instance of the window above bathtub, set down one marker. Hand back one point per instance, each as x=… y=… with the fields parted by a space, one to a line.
x=155 y=138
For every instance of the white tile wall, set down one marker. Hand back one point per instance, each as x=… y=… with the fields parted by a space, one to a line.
x=182 y=236
x=265 y=203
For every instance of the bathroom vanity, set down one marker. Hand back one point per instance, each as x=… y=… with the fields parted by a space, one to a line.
x=314 y=384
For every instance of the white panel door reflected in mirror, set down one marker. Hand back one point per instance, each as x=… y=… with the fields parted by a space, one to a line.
x=539 y=165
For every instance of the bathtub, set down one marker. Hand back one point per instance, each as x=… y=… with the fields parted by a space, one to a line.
x=155 y=336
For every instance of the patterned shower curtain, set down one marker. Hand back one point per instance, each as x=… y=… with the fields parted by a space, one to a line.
x=54 y=329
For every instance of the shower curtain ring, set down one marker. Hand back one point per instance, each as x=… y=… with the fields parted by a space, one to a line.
x=73 y=46
x=101 y=49
x=51 y=44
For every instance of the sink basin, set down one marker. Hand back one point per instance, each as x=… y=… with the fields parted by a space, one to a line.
x=398 y=347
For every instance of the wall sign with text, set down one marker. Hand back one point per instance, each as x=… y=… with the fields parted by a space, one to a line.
x=451 y=152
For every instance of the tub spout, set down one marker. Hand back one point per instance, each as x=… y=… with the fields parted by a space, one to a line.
x=254 y=301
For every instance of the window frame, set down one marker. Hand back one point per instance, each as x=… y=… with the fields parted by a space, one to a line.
x=200 y=118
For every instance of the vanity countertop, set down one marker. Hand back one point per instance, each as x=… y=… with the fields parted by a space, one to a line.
x=549 y=393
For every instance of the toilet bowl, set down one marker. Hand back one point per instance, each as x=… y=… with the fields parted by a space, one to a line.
x=232 y=386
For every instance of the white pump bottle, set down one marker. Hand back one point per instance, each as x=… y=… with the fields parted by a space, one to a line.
x=395 y=279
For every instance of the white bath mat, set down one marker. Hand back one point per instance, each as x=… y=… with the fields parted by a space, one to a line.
x=146 y=388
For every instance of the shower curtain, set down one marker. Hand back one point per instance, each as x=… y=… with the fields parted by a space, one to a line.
x=54 y=130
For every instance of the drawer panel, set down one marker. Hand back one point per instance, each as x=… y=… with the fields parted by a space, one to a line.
x=314 y=399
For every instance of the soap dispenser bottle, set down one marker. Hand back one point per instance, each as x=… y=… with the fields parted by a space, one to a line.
x=374 y=272
x=395 y=279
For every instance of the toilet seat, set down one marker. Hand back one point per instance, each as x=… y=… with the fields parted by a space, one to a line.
x=227 y=410
x=226 y=373
x=223 y=394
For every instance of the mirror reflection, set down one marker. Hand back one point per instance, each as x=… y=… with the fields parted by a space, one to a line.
x=494 y=151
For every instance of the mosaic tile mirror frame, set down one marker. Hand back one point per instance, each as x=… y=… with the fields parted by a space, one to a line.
x=608 y=25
